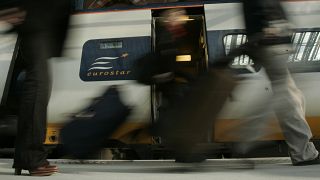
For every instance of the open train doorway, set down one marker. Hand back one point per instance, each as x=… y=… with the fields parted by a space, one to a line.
x=187 y=38
x=187 y=42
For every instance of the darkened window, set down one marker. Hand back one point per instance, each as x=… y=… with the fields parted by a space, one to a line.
x=234 y=41
x=306 y=45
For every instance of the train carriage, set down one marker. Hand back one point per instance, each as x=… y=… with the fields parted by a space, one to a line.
x=103 y=44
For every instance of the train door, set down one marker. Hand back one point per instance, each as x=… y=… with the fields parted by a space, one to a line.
x=100 y=51
x=191 y=51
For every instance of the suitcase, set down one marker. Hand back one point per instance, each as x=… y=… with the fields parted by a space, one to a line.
x=87 y=130
x=191 y=111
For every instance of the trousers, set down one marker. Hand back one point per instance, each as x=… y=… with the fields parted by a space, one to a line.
x=287 y=102
x=29 y=150
x=41 y=37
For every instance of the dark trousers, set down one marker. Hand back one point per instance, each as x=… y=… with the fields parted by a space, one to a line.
x=29 y=150
x=42 y=36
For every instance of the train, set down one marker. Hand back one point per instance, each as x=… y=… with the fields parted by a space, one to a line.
x=121 y=35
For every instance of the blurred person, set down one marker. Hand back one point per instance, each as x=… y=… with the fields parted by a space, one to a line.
x=269 y=45
x=104 y=115
x=41 y=26
x=190 y=100
x=109 y=111
x=192 y=106
x=191 y=103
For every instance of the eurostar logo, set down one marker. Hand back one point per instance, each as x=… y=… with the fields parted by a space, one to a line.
x=104 y=63
x=112 y=59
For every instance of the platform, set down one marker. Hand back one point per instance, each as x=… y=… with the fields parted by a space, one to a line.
x=216 y=169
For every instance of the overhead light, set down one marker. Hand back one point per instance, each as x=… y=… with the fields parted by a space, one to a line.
x=185 y=18
x=183 y=58
x=180 y=18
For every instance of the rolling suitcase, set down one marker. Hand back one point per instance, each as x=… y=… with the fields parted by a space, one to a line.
x=188 y=116
x=87 y=130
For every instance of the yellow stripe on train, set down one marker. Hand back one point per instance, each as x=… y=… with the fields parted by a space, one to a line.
x=137 y=133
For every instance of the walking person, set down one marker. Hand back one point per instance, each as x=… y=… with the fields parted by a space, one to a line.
x=188 y=114
x=41 y=27
x=269 y=45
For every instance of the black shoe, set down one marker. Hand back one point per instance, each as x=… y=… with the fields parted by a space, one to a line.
x=190 y=158
x=310 y=162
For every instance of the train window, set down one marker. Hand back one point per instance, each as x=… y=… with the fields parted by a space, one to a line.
x=307 y=45
x=233 y=41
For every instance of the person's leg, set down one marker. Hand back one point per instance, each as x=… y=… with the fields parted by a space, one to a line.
x=288 y=102
x=253 y=126
x=30 y=152
x=42 y=36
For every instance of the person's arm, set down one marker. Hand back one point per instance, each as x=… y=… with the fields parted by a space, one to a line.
x=14 y=16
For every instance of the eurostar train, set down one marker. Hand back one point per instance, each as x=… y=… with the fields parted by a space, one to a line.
x=103 y=44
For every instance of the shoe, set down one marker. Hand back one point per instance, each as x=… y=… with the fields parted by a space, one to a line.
x=46 y=170
x=190 y=157
x=309 y=162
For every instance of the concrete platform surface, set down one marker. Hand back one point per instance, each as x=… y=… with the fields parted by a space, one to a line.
x=217 y=169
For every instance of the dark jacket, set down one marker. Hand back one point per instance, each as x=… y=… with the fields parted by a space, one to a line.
x=261 y=14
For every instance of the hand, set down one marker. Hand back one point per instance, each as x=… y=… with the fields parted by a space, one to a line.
x=14 y=16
